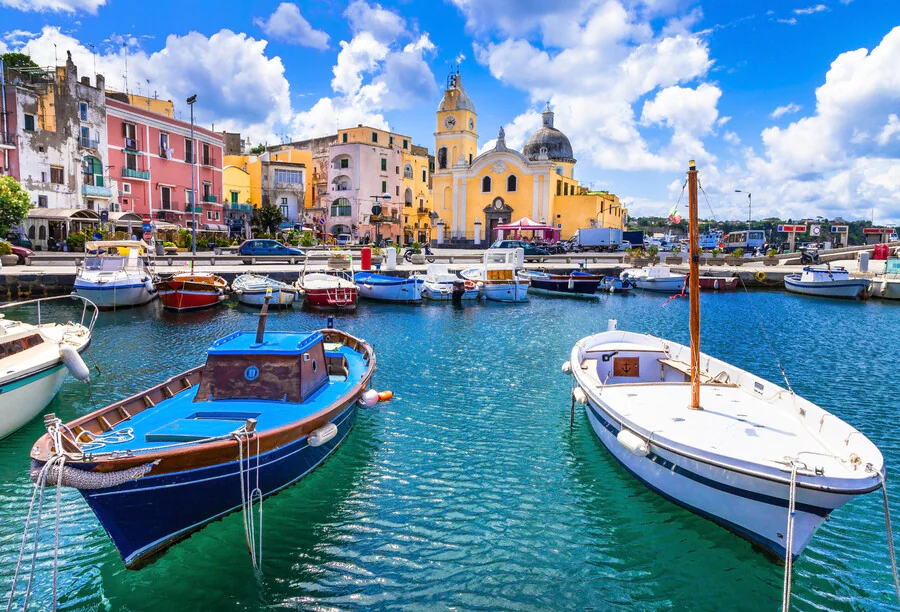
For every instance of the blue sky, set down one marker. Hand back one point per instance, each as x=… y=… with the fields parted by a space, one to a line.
x=794 y=101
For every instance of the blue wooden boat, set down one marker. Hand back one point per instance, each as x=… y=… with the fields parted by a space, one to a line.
x=575 y=284
x=388 y=288
x=263 y=412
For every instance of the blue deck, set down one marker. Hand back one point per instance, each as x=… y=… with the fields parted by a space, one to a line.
x=383 y=280
x=180 y=419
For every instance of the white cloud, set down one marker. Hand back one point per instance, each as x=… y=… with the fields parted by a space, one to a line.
x=890 y=129
x=787 y=109
x=357 y=57
x=690 y=113
x=288 y=25
x=516 y=132
x=58 y=6
x=237 y=85
x=811 y=9
x=789 y=21
x=731 y=138
x=382 y=24
x=459 y=58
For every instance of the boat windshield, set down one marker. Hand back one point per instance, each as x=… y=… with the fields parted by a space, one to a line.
x=892 y=266
x=104 y=263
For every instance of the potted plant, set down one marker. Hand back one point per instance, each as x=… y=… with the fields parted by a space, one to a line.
x=736 y=258
x=717 y=259
x=652 y=253
x=377 y=257
x=639 y=257
x=75 y=241
x=674 y=258
x=6 y=255
x=170 y=248
x=417 y=257
x=770 y=259
x=338 y=259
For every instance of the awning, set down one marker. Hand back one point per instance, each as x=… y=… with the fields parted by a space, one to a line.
x=84 y=215
x=162 y=226
x=93 y=245
x=121 y=219
x=524 y=224
x=215 y=227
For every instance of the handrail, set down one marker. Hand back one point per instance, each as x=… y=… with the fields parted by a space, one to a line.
x=37 y=302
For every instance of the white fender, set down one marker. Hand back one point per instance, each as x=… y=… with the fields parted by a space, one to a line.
x=567 y=368
x=636 y=445
x=323 y=434
x=74 y=362
x=368 y=398
x=571 y=283
x=148 y=285
x=580 y=396
x=716 y=284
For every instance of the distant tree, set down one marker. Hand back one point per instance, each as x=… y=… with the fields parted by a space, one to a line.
x=257 y=150
x=268 y=218
x=14 y=203
x=18 y=60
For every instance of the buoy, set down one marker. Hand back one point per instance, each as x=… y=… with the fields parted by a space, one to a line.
x=148 y=285
x=636 y=445
x=580 y=396
x=384 y=396
x=74 y=363
x=323 y=434
x=612 y=325
x=760 y=276
x=567 y=368
x=368 y=399
x=716 y=284
x=571 y=283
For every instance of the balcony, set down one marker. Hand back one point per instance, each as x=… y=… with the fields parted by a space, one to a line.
x=88 y=143
x=135 y=174
x=7 y=139
x=236 y=206
x=132 y=144
x=423 y=210
x=189 y=208
x=167 y=209
x=210 y=198
x=94 y=191
x=208 y=160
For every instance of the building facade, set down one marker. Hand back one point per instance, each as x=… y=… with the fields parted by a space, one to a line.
x=151 y=154
x=472 y=193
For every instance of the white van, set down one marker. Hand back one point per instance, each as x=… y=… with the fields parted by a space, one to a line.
x=343 y=239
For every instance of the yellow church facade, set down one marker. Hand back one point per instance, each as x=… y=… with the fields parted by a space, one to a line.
x=472 y=193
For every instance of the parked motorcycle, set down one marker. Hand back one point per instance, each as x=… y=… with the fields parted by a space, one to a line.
x=429 y=256
x=809 y=256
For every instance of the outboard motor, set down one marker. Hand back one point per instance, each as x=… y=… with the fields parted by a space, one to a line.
x=459 y=289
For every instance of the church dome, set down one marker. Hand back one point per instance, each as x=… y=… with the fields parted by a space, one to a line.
x=548 y=143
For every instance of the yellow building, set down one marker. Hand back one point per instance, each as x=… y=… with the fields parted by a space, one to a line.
x=416 y=186
x=280 y=177
x=154 y=105
x=473 y=193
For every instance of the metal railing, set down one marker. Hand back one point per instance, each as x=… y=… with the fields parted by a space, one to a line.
x=138 y=174
x=7 y=138
x=37 y=303
x=86 y=142
x=210 y=198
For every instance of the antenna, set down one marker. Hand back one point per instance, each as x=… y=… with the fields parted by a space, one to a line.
x=125 y=47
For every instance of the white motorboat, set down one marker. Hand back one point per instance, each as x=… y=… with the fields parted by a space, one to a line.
x=251 y=290
x=825 y=281
x=384 y=288
x=497 y=276
x=115 y=274
x=728 y=445
x=35 y=357
x=438 y=281
x=887 y=285
x=654 y=278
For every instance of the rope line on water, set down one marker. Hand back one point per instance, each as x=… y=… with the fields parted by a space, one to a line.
x=789 y=541
x=254 y=543
x=890 y=535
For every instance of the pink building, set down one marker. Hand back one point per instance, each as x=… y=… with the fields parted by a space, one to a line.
x=150 y=156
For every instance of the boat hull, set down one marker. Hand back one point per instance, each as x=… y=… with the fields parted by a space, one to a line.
x=147 y=516
x=110 y=296
x=848 y=289
x=750 y=507
x=885 y=289
x=716 y=283
x=560 y=286
x=280 y=297
x=339 y=298
x=443 y=292
x=611 y=284
x=667 y=285
x=24 y=399
x=400 y=290
x=510 y=292
x=183 y=299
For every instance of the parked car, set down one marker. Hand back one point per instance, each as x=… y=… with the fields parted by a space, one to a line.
x=21 y=252
x=267 y=248
x=343 y=239
x=532 y=253
x=19 y=239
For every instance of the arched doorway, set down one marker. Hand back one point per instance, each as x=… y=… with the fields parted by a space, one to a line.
x=496 y=213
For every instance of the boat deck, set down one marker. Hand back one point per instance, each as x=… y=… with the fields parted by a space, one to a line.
x=180 y=419
x=733 y=423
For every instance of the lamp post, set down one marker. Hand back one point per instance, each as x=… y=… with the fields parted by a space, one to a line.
x=190 y=102
x=749 y=206
x=377 y=224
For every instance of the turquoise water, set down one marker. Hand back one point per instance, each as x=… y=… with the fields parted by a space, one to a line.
x=470 y=490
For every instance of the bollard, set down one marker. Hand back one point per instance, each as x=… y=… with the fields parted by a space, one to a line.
x=366 y=259
x=391 y=263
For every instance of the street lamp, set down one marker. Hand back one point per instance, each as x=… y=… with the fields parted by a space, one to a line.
x=377 y=224
x=190 y=102
x=749 y=206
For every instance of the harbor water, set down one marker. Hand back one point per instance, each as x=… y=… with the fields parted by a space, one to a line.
x=470 y=490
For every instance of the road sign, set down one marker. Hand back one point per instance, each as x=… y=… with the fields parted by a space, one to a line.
x=148 y=236
x=792 y=229
x=840 y=229
x=104 y=216
x=815 y=230
x=146 y=219
x=146 y=227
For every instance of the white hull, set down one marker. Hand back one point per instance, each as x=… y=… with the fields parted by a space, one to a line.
x=513 y=291
x=408 y=291
x=110 y=295
x=22 y=403
x=885 y=289
x=836 y=289
x=443 y=292
x=258 y=298
x=669 y=285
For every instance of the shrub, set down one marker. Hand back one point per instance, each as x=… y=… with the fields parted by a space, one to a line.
x=416 y=247
x=376 y=250
x=307 y=240
x=738 y=252
x=652 y=250
x=75 y=241
x=771 y=253
x=716 y=252
x=5 y=248
x=168 y=244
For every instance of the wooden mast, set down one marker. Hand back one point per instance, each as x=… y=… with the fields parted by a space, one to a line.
x=694 y=285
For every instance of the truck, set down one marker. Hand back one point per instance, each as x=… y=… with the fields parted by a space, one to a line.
x=634 y=237
x=597 y=238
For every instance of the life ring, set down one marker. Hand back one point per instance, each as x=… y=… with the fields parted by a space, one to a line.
x=761 y=276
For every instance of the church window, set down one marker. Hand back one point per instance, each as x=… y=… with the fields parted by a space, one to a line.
x=565 y=189
x=442 y=158
x=407 y=171
x=470 y=159
x=486 y=185
x=558 y=187
x=512 y=183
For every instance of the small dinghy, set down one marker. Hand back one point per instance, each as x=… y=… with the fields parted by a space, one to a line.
x=577 y=284
x=191 y=291
x=654 y=278
x=251 y=289
x=734 y=448
x=614 y=284
x=385 y=288
x=438 y=284
x=332 y=290
x=825 y=281
x=887 y=285
x=261 y=413
x=497 y=278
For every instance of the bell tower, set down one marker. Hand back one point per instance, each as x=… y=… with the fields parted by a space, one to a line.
x=455 y=141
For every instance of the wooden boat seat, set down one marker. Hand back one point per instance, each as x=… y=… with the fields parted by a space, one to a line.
x=705 y=377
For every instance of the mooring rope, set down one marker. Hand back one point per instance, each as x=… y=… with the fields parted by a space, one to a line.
x=254 y=543
x=890 y=535
x=789 y=541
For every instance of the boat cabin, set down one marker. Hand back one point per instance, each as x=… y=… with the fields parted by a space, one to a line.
x=280 y=368
x=113 y=255
x=633 y=363
x=823 y=274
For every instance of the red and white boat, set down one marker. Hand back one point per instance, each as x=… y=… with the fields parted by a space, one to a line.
x=332 y=290
x=191 y=291
x=718 y=283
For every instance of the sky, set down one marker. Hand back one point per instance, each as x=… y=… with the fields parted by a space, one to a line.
x=794 y=102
